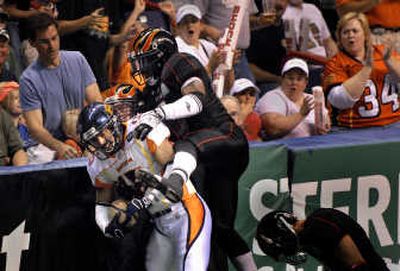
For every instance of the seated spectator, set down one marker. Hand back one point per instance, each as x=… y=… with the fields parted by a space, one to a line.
x=56 y=82
x=37 y=153
x=267 y=50
x=361 y=80
x=11 y=147
x=245 y=92
x=308 y=36
x=287 y=111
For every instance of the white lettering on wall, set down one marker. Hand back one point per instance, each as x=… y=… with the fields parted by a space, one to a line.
x=329 y=188
x=366 y=213
x=300 y=192
x=257 y=192
x=13 y=245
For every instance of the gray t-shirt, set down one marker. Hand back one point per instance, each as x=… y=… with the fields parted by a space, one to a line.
x=54 y=90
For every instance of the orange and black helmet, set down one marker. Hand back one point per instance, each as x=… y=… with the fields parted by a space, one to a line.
x=151 y=50
x=126 y=101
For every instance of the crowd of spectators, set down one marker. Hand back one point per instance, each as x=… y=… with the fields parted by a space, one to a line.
x=57 y=56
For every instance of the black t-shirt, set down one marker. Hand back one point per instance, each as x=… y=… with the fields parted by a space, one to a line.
x=178 y=69
x=323 y=231
x=266 y=50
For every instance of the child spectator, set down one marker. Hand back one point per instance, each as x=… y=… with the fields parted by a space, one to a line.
x=245 y=92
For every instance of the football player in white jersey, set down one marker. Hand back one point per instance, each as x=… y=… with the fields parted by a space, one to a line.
x=181 y=240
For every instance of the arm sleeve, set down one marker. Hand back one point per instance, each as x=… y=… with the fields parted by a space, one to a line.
x=86 y=71
x=187 y=106
x=159 y=134
x=271 y=102
x=340 y=98
x=334 y=74
x=28 y=95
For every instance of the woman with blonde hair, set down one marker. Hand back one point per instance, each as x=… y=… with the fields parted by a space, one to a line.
x=360 y=81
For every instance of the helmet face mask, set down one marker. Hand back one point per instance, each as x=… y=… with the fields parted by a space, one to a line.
x=277 y=238
x=100 y=133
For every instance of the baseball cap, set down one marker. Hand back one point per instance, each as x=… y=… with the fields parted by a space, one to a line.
x=6 y=87
x=295 y=63
x=4 y=34
x=187 y=9
x=241 y=84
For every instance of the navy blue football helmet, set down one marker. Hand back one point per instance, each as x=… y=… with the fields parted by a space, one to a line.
x=276 y=237
x=93 y=122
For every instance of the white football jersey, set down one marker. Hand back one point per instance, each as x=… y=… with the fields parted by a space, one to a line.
x=133 y=155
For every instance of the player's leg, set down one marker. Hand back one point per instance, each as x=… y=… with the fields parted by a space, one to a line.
x=158 y=252
x=198 y=254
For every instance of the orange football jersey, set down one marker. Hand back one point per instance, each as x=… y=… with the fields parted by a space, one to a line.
x=378 y=105
x=385 y=14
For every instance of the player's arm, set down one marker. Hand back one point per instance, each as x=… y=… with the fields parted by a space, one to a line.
x=115 y=218
x=190 y=104
x=349 y=254
x=182 y=156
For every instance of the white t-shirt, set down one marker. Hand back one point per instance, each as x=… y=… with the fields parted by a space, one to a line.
x=305 y=24
x=203 y=53
x=275 y=101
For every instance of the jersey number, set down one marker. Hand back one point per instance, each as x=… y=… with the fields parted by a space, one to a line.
x=388 y=96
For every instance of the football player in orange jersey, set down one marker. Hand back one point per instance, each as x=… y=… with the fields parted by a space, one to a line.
x=361 y=80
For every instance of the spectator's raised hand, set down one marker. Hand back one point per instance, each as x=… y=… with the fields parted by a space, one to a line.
x=216 y=58
x=168 y=8
x=97 y=20
x=140 y=6
x=266 y=19
x=307 y=106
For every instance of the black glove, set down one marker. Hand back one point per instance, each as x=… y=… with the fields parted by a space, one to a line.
x=135 y=206
x=115 y=229
x=148 y=121
x=168 y=190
